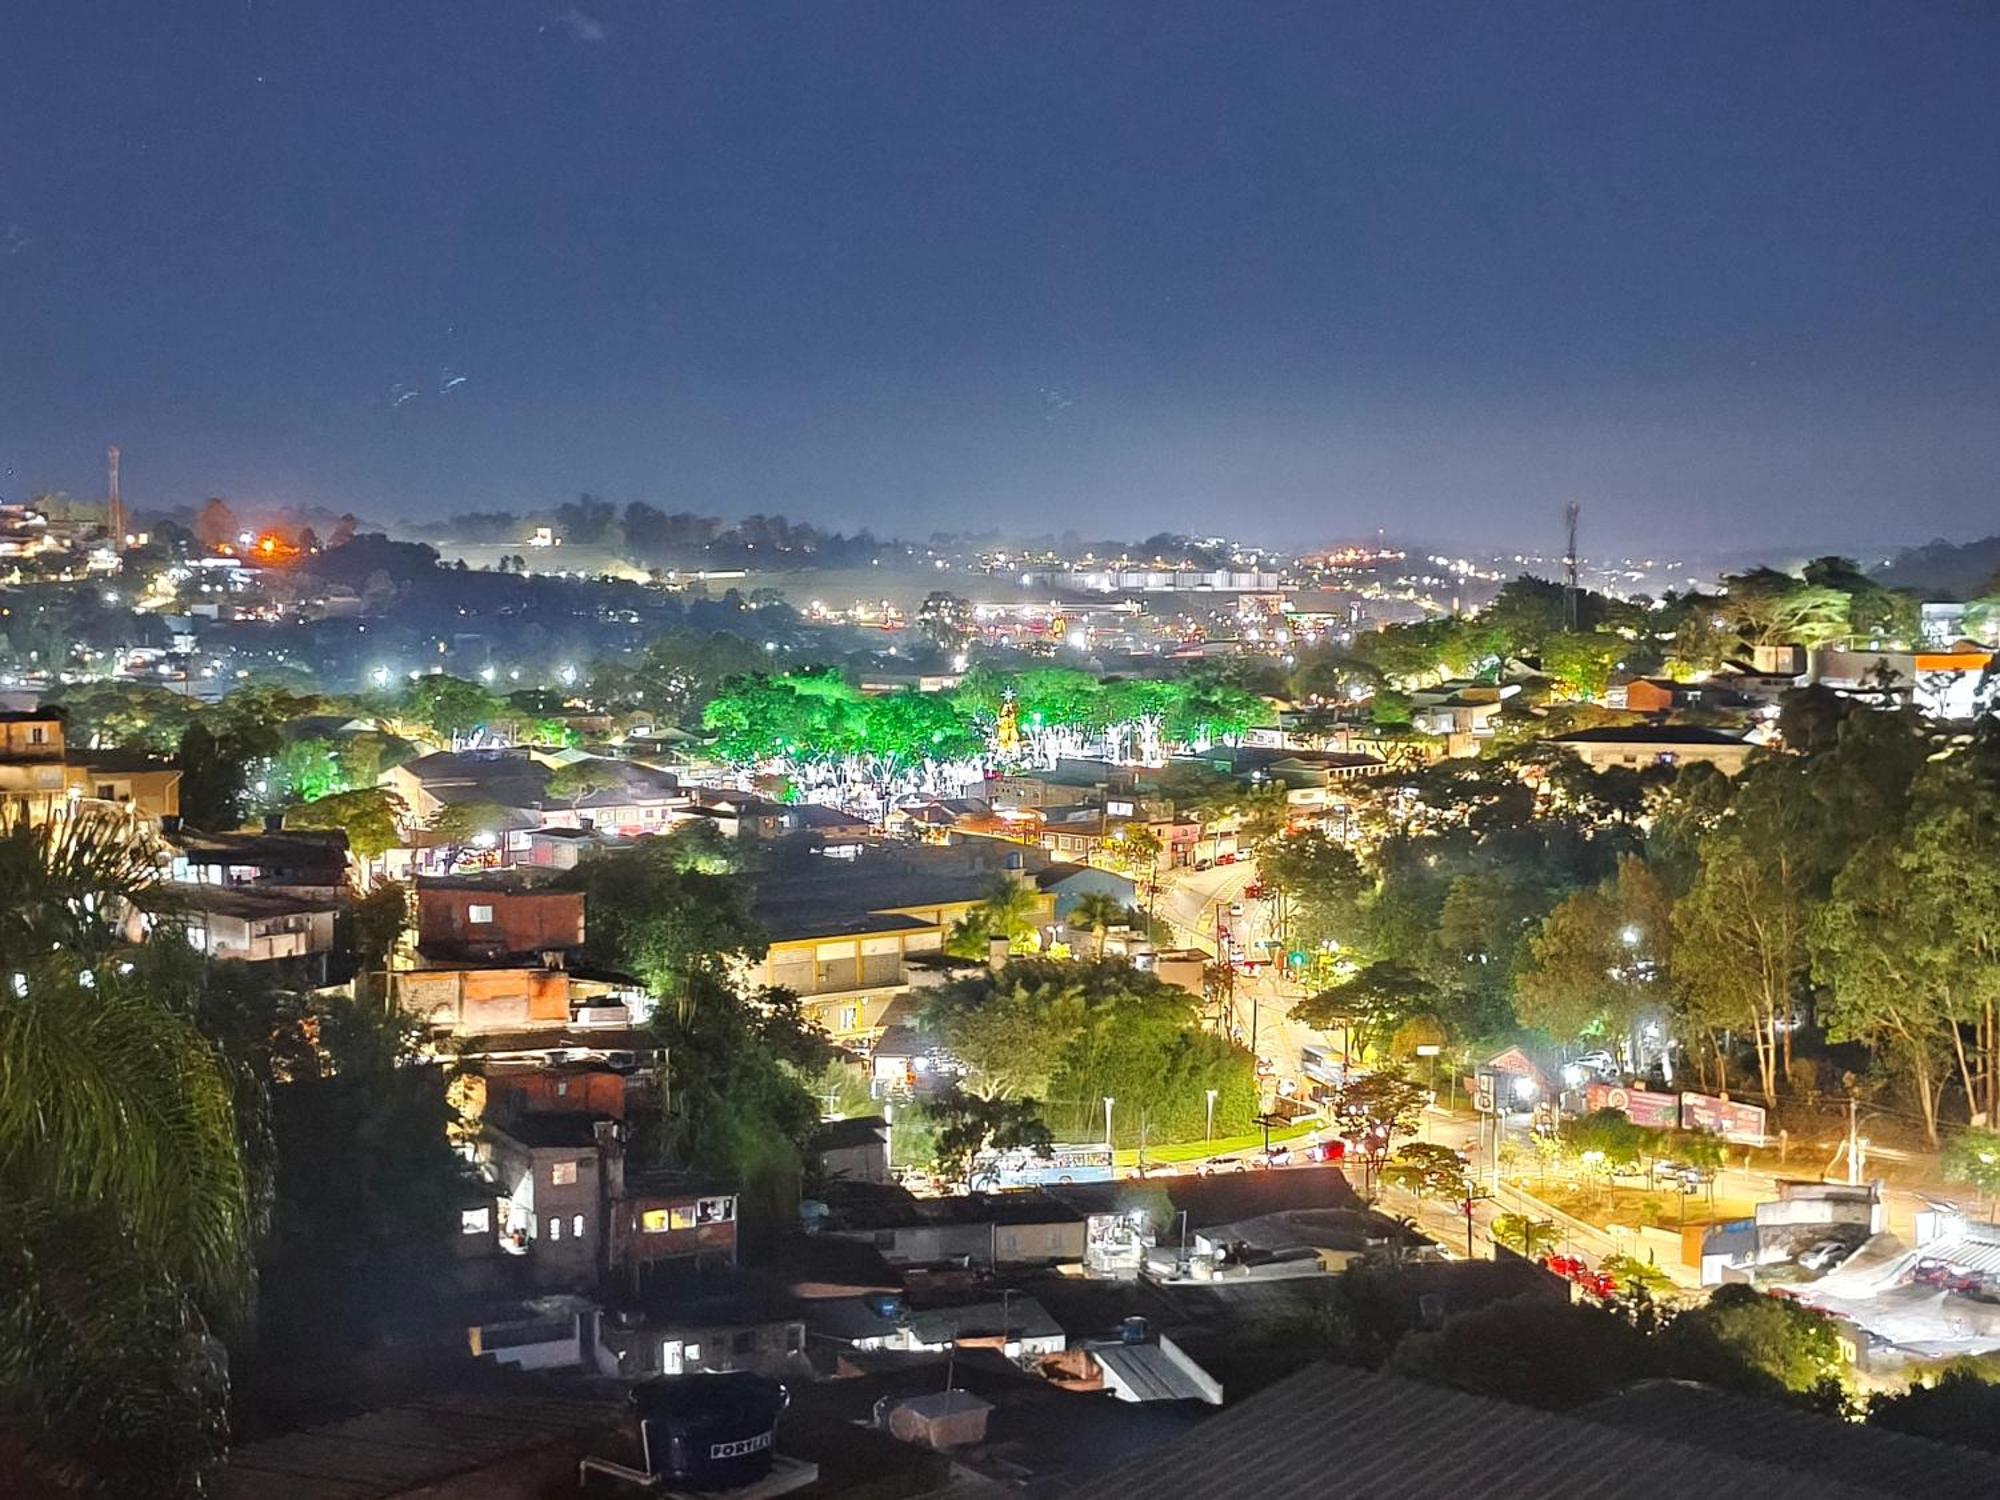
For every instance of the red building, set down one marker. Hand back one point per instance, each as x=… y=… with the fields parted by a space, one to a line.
x=491 y=920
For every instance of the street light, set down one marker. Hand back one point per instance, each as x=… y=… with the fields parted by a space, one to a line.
x=1209 y=1133
x=1108 y=1102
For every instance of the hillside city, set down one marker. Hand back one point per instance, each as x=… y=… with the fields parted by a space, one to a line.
x=1047 y=1013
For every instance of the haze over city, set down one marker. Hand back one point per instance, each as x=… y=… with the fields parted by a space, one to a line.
x=1717 y=271
x=952 y=750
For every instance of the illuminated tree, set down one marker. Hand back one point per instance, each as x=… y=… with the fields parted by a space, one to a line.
x=1099 y=912
x=1010 y=910
x=1427 y=1171
x=372 y=817
x=1598 y=961
x=461 y=826
x=580 y=779
x=1372 y=1109
x=450 y=707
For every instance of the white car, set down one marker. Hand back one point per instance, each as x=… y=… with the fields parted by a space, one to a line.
x=1826 y=1255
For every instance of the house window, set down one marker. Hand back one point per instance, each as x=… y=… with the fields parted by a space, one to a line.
x=36 y=735
x=715 y=1210
x=472 y=1221
x=106 y=792
x=655 y=1221
x=555 y=1227
x=479 y=916
x=576 y=1226
x=562 y=1174
x=850 y=1017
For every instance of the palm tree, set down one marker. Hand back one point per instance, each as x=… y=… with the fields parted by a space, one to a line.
x=130 y=1211
x=1009 y=911
x=1099 y=912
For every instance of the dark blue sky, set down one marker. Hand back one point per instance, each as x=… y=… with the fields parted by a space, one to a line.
x=1720 y=271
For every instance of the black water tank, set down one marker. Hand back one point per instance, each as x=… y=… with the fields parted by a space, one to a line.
x=709 y=1432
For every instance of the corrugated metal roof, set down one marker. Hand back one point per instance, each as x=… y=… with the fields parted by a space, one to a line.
x=1335 y=1431
x=1891 y=1463
x=1148 y=1372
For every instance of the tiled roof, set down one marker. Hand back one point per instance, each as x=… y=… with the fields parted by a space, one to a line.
x=1387 y=1438
x=1649 y=734
x=1885 y=1462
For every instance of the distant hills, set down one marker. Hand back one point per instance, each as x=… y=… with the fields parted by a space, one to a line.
x=1957 y=570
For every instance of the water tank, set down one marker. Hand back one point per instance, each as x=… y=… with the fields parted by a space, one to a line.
x=885 y=1305
x=1134 y=1331
x=710 y=1431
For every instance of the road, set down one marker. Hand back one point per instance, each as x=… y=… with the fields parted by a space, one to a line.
x=1205 y=905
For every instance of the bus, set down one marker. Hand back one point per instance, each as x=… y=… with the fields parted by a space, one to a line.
x=1023 y=1168
x=1321 y=1064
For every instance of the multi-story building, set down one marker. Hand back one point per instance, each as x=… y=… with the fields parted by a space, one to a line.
x=40 y=772
x=843 y=931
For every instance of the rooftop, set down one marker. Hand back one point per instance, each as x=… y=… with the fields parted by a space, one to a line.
x=550 y=1130
x=1884 y=1462
x=1424 y=1441
x=1649 y=734
x=408 y=1448
x=252 y=905
x=1222 y=1199
x=838 y=1135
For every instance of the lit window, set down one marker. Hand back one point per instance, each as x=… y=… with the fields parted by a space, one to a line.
x=562 y=1174
x=654 y=1221
x=576 y=1226
x=479 y=916
x=472 y=1221
x=555 y=1228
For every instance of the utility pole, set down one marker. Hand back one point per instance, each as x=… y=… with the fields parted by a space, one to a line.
x=114 y=508
x=1570 y=514
x=1853 y=1141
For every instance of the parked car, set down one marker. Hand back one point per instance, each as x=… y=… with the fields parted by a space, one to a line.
x=1825 y=1255
x=1946 y=1277
x=1600 y=1062
x=1573 y=1268
x=1215 y=1166
x=1278 y=1156
x=1678 y=1174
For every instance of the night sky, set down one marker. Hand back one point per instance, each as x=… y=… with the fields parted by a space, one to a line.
x=1722 y=272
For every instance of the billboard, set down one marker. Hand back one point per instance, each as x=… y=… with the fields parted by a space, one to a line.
x=1655 y=1111
x=1724 y=1117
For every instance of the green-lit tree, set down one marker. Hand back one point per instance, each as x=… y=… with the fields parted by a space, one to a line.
x=450 y=708
x=373 y=818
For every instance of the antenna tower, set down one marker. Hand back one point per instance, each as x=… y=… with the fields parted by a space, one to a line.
x=1570 y=513
x=114 y=508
